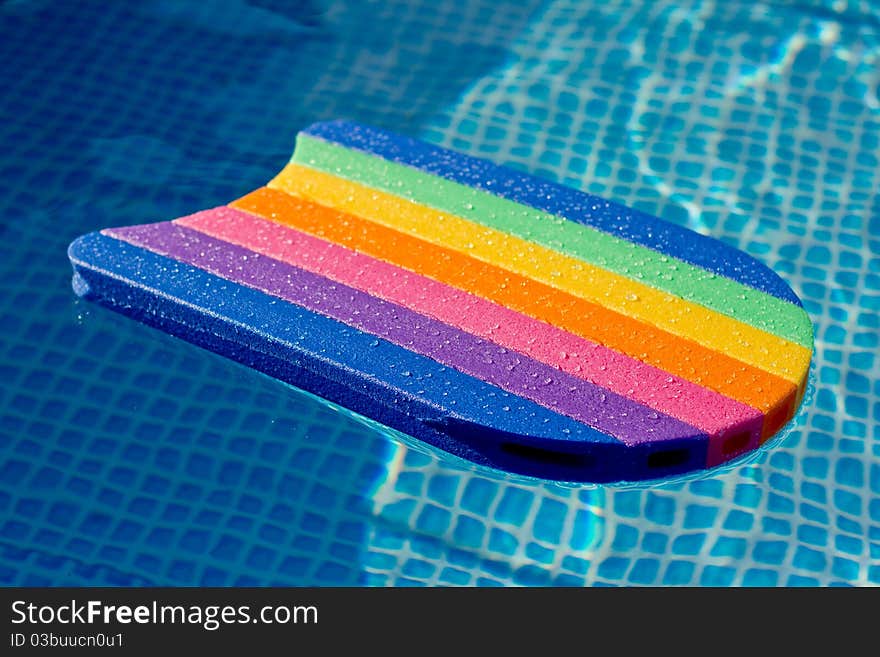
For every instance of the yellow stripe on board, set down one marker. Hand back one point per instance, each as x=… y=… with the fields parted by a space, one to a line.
x=674 y=314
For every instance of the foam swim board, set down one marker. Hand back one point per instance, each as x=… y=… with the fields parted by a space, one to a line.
x=505 y=319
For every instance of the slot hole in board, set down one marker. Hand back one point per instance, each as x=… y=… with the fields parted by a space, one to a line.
x=668 y=458
x=548 y=456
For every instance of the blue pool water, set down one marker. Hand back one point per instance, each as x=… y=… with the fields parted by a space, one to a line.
x=129 y=457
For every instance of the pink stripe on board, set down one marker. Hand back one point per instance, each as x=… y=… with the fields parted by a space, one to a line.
x=686 y=401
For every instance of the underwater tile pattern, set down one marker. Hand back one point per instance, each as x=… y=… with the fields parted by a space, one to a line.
x=128 y=457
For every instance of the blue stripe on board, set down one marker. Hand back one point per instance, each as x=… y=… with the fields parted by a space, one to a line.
x=560 y=200
x=369 y=375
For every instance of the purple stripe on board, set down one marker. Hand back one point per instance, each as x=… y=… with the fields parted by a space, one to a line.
x=629 y=421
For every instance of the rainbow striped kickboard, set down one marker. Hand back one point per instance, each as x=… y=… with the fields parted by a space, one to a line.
x=508 y=320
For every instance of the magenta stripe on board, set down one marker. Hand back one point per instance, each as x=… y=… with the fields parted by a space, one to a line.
x=703 y=408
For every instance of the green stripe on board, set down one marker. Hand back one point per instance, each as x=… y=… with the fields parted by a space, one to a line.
x=622 y=257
